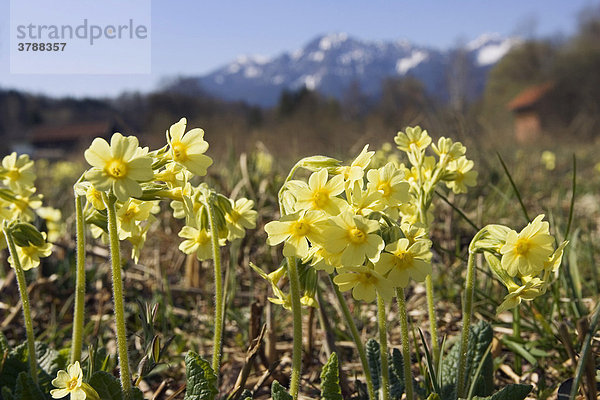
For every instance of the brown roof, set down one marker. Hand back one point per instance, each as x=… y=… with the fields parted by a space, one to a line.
x=529 y=96
x=46 y=133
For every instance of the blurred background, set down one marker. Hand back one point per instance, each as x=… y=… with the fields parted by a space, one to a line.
x=326 y=77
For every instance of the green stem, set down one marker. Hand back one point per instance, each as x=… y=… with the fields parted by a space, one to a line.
x=297 y=315
x=356 y=337
x=517 y=336
x=385 y=372
x=466 y=322
x=218 y=332
x=408 y=379
x=586 y=349
x=115 y=255
x=78 y=312
x=25 y=302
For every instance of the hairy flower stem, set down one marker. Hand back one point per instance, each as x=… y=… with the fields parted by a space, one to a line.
x=16 y=263
x=78 y=313
x=408 y=379
x=382 y=326
x=466 y=321
x=115 y=255
x=297 y=315
x=356 y=337
x=219 y=311
x=517 y=335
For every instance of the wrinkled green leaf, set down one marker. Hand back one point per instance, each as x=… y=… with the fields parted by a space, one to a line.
x=17 y=362
x=200 y=378
x=278 y=392
x=50 y=360
x=107 y=386
x=330 y=380
x=510 y=392
x=26 y=389
x=397 y=384
x=480 y=337
x=6 y=394
x=374 y=360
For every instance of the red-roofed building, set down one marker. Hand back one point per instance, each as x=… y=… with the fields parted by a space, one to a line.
x=532 y=111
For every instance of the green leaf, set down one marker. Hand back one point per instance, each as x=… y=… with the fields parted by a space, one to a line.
x=246 y=395
x=26 y=389
x=107 y=386
x=50 y=360
x=330 y=380
x=480 y=337
x=397 y=384
x=374 y=360
x=17 y=362
x=278 y=392
x=510 y=392
x=200 y=378
x=137 y=394
x=6 y=394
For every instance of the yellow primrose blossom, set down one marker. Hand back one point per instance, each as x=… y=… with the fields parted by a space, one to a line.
x=24 y=204
x=119 y=166
x=413 y=140
x=462 y=176
x=273 y=278
x=364 y=202
x=188 y=148
x=197 y=241
x=17 y=172
x=529 y=290
x=29 y=256
x=133 y=211
x=240 y=218
x=448 y=150
x=322 y=260
x=52 y=217
x=173 y=174
x=389 y=181
x=356 y=169
x=413 y=232
x=526 y=252
x=137 y=238
x=549 y=160
x=354 y=237
x=70 y=382
x=94 y=197
x=406 y=260
x=365 y=283
x=296 y=230
x=319 y=194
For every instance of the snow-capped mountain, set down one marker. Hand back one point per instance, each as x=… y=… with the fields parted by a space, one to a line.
x=331 y=63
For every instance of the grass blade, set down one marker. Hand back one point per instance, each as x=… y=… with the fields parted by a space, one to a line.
x=514 y=186
x=574 y=188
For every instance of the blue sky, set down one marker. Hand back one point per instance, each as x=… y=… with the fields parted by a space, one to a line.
x=194 y=37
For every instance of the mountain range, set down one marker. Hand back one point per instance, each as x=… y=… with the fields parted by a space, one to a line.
x=331 y=63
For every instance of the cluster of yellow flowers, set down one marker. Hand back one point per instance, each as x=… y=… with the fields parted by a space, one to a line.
x=20 y=207
x=525 y=262
x=140 y=178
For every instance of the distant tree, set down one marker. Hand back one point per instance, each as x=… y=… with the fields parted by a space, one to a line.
x=403 y=102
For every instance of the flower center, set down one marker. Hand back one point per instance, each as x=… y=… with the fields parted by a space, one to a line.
x=13 y=174
x=320 y=198
x=522 y=247
x=367 y=278
x=116 y=168
x=357 y=236
x=202 y=238
x=300 y=228
x=179 y=151
x=72 y=384
x=403 y=260
x=233 y=217
x=29 y=250
x=385 y=188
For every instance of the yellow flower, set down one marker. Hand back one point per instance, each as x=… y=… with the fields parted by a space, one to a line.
x=549 y=160
x=462 y=176
x=94 y=197
x=406 y=260
x=188 y=149
x=365 y=283
x=24 y=203
x=448 y=150
x=70 y=382
x=356 y=170
x=17 y=172
x=133 y=211
x=364 y=202
x=241 y=217
x=137 y=238
x=529 y=290
x=273 y=278
x=173 y=175
x=318 y=194
x=197 y=241
x=29 y=256
x=389 y=181
x=119 y=166
x=52 y=218
x=296 y=230
x=354 y=237
x=526 y=252
x=414 y=140
x=322 y=260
